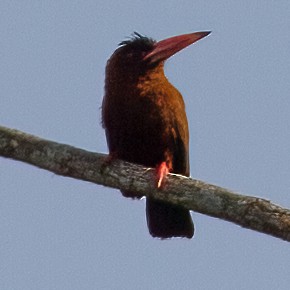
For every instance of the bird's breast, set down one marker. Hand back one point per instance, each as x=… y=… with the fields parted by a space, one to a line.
x=142 y=124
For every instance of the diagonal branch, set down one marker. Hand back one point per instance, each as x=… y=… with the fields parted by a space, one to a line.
x=249 y=212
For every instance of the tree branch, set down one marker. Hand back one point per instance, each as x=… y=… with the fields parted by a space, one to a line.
x=249 y=212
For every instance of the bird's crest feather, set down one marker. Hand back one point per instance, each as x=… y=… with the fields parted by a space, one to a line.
x=138 y=39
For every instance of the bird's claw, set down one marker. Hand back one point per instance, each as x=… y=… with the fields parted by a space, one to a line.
x=162 y=171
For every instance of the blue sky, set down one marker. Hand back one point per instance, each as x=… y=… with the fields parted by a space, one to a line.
x=60 y=233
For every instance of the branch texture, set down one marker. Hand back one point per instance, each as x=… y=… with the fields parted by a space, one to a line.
x=249 y=212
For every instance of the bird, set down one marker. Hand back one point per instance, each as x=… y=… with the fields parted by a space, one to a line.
x=145 y=121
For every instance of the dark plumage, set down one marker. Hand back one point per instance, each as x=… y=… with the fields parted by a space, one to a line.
x=145 y=121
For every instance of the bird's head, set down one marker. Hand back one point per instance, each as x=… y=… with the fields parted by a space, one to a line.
x=140 y=54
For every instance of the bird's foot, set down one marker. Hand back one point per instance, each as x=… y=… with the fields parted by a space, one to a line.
x=162 y=171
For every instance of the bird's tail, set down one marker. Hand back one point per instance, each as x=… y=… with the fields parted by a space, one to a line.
x=166 y=221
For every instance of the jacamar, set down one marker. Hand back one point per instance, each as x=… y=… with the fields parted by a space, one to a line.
x=145 y=121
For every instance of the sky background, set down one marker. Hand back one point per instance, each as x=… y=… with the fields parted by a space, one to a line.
x=61 y=233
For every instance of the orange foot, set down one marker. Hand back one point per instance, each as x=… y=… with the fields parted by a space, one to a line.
x=162 y=171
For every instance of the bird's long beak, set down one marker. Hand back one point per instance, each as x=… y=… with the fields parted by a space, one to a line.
x=168 y=47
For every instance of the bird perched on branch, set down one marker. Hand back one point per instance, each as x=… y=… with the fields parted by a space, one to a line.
x=145 y=121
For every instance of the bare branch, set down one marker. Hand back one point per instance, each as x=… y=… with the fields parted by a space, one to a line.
x=249 y=212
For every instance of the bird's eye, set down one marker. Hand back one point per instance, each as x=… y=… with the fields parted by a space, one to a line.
x=130 y=55
x=143 y=53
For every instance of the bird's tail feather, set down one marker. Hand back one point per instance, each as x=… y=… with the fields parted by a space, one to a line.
x=166 y=221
